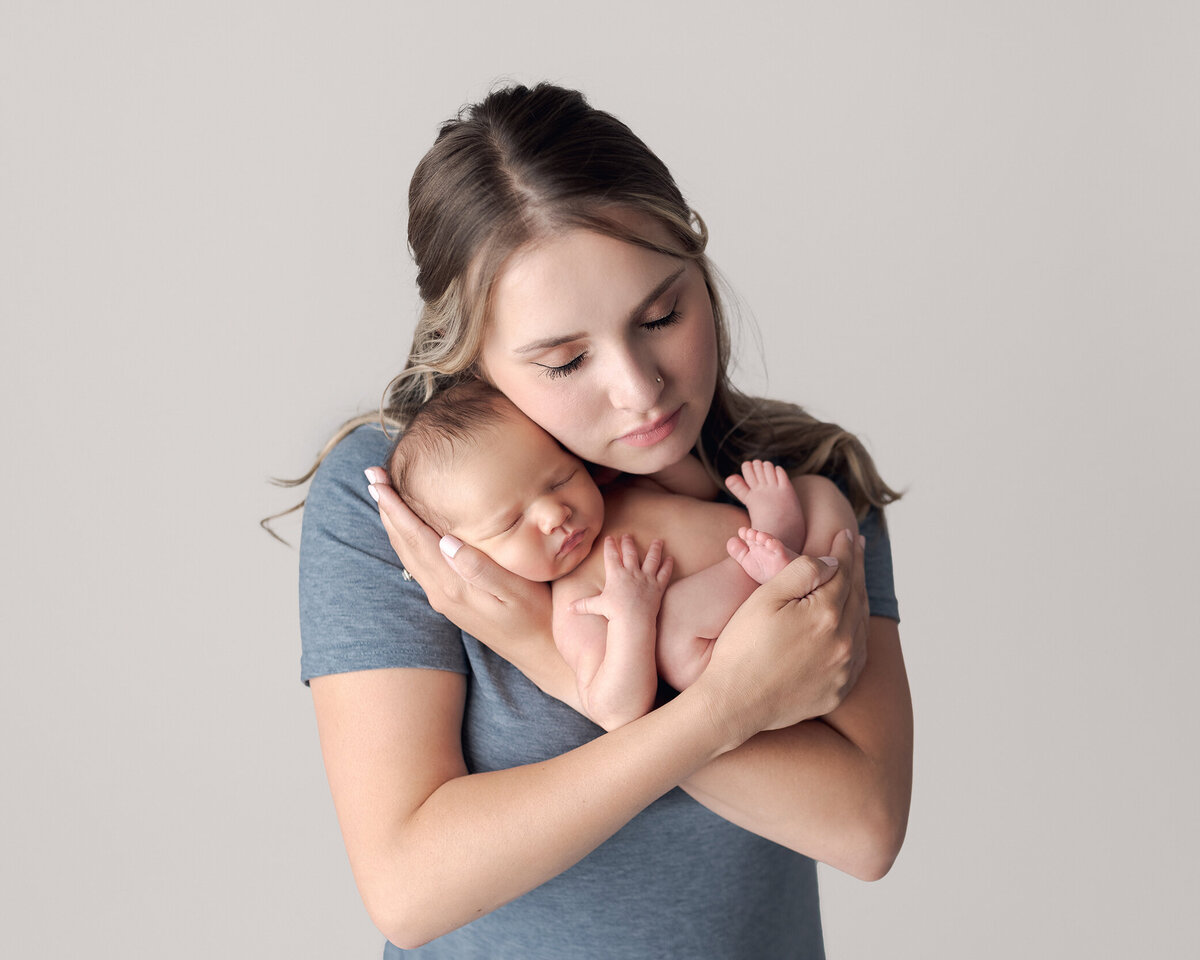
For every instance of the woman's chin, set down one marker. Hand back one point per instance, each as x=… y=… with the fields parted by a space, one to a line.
x=646 y=460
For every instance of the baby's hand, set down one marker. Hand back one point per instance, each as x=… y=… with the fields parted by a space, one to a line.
x=631 y=588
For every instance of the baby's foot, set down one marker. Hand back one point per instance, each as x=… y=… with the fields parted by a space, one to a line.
x=769 y=496
x=760 y=554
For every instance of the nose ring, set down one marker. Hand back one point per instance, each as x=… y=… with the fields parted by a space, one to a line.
x=658 y=379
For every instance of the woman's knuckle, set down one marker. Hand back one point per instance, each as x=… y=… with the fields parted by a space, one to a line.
x=826 y=618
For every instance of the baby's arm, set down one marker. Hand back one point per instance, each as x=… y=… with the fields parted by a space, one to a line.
x=608 y=638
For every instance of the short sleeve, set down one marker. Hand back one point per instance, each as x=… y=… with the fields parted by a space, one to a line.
x=881 y=590
x=356 y=610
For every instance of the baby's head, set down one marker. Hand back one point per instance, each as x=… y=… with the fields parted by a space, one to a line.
x=472 y=465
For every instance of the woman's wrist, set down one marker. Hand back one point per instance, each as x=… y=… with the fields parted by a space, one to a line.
x=733 y=717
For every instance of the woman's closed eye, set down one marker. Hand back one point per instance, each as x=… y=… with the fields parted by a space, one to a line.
x=665 y=321
x=566 y=369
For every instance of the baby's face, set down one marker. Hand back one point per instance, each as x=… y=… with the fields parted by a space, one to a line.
x=523 y=500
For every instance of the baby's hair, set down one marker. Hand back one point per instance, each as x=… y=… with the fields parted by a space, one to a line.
x=439 y=427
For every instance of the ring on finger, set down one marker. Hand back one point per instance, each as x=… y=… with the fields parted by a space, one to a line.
x=405 y=574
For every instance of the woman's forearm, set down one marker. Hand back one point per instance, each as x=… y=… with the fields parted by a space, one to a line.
x=432 y=847
x=836 y=789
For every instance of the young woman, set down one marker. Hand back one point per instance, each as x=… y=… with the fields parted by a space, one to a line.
x=482 y=813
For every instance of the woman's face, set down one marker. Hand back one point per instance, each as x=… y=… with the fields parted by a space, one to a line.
x=608 y=346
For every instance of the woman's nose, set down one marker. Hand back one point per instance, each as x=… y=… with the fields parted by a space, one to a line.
x=635 y=383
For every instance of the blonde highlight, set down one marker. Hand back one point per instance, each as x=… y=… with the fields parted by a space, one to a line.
x=529 y=163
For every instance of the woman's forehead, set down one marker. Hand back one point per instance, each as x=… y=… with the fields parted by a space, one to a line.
x=567 y=282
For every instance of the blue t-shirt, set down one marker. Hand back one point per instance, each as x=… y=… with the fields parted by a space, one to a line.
x=676 y=882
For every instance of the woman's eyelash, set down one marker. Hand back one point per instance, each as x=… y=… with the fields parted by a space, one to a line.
x=670 y=318
x=571 y=366
x=565 y=370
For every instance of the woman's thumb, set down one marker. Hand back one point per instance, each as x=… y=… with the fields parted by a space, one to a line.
x=802 y=576
x=467 y=562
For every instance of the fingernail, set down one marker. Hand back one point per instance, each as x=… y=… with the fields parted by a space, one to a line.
x=862 y=541
x=849 y=535
x=371 y=490
x=370 y=475
x=829 y=561
x=449 y=545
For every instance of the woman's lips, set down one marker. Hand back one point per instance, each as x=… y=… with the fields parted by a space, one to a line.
x=652 y=433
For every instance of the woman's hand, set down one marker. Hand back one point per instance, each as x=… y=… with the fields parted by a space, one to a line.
x=507 y=612
x=795 y=648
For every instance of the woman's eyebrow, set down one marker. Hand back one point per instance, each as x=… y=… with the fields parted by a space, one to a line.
x=636 y=313
x=546 y=342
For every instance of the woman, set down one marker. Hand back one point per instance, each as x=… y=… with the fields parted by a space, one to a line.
x=558 y=260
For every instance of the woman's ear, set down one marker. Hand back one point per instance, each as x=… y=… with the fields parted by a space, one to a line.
x=480 y=373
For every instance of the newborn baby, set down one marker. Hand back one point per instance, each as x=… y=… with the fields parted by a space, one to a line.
x=470 y=464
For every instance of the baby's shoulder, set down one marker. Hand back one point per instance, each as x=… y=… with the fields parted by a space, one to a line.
x=646 y=505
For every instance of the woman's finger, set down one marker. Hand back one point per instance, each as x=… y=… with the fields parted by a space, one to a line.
x=843 y=551
x=801 y=577
x=479 y=570
x=410 y=537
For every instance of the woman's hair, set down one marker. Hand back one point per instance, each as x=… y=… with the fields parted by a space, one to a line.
x=526 y=163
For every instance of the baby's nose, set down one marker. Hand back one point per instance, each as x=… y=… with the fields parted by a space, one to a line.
x=554 y=514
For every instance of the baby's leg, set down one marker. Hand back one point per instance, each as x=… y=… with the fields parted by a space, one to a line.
x=694 y=611
x=771 y=500
x=759 y=554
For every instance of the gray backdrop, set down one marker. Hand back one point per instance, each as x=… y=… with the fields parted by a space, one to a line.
x=968 y=231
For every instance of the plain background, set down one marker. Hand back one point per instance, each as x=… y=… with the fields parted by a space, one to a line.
x=967 y=231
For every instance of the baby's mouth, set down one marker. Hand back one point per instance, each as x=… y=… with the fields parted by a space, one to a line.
x=573 y=540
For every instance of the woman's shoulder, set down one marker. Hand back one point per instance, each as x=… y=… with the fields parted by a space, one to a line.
x=356 y=609
x=364 y=446
x=338 y=492
x=338 y=503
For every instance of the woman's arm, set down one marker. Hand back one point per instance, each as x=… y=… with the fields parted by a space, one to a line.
x=791 y=787
x=433 y=847
x=836 y=788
